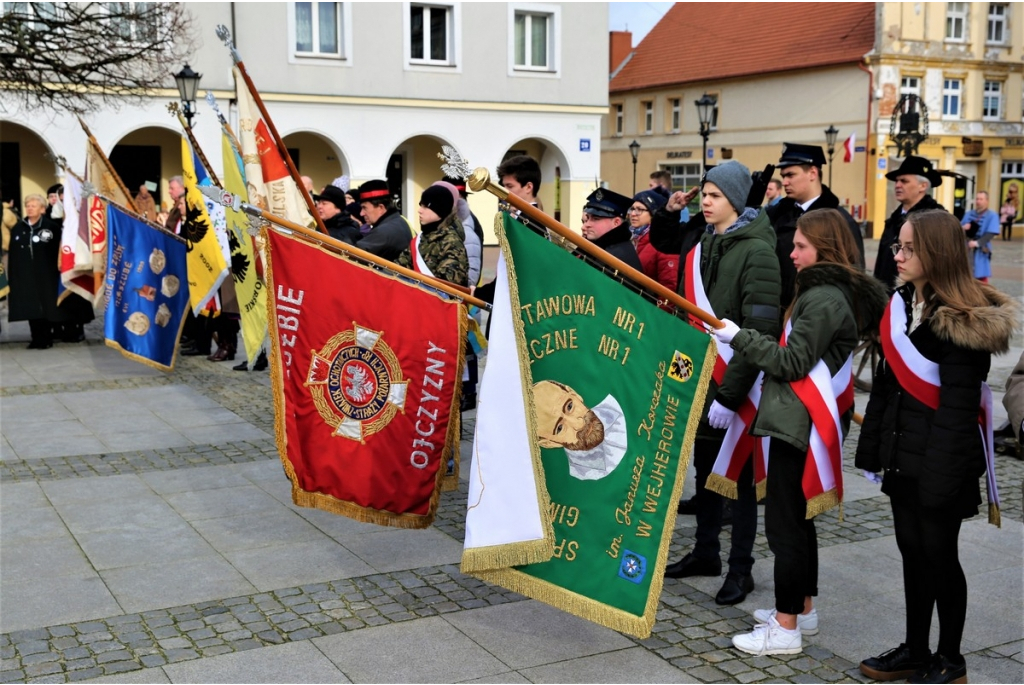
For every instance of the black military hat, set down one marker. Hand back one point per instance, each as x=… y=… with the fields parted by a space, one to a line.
x=374 y=190
x=797 y=153
x=334 y=195
x=916 y=166
x=459 y=183
x=607 y=203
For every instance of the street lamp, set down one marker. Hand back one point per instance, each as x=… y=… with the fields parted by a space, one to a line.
x=830 y=138
x=188 y=85
x=705 y=107
x=634 y=149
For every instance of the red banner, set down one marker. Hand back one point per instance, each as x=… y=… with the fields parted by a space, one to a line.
x=367 y=373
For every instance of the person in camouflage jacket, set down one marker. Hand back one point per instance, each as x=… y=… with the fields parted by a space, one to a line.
x=442 y=242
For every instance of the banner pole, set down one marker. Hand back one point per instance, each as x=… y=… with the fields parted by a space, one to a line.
x=225 y=36
x=338 y=246
x=480 y=179
x=173 y=109
x=110 y=167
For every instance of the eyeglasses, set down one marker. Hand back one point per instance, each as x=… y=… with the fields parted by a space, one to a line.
x=908 y=251
x=636 y=210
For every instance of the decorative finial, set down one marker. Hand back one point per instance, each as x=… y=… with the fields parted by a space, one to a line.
x=172 y=108
x=454 y=165
x=255 y=224
x=225 y=36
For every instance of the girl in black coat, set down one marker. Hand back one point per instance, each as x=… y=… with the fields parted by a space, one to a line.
x=921 y=427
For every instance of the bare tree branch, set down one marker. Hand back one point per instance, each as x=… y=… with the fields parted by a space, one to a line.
x=79 y=57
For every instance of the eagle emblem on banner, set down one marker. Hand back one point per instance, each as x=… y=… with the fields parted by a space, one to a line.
x=356 y=383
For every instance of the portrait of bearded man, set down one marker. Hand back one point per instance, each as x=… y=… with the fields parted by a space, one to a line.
x=594 y=439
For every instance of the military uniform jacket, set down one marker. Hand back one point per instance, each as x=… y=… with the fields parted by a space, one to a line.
x=443 y=248
x=783 y=216
x=617 y=242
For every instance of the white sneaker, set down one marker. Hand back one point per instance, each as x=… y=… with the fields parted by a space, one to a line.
x=769 y=638
x=807 y=623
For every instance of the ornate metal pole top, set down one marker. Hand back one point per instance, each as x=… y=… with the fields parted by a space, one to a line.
x=225 y=35
x=480 y=179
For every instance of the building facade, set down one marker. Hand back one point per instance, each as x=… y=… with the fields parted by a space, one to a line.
x=965 y=61
x=369 y=90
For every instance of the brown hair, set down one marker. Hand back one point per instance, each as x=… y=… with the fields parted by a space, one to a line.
x=939 y=244
x=826 y=230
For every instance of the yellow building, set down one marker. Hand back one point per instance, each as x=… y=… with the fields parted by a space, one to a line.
x=964 y=60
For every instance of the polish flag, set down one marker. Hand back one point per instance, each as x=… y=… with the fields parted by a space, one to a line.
x=850 y=144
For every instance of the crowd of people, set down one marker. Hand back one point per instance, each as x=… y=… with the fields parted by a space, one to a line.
x=782 y=265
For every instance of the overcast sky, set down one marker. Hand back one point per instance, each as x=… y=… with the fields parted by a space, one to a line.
x=638 y=17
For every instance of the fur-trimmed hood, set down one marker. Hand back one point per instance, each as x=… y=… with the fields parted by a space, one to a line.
x=987 y=329
x=865 y=293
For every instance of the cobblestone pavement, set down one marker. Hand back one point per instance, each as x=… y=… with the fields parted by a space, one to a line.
x=692 y=633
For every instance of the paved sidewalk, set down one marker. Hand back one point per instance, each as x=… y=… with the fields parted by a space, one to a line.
x=147 y=535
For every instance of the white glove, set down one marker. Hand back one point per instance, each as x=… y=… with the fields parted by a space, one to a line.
x=727 y=333
x=719 y=416
x=873 y=477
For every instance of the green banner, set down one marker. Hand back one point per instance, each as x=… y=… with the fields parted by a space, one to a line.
x=618 y=386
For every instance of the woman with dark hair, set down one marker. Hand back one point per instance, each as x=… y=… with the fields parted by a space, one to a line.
x=922 y=427
x=806 y=409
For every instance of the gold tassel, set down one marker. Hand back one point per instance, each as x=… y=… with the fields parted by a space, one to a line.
x=761 y=488
x=481 y=559
x=723 y=486
x=819 y=504
x=995 y=517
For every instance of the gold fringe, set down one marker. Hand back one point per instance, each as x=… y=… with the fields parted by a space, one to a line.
x=573 y=603
x=453 y=441
x=317 y=500
x=994 y=515
x=5 y=291
x=722 y=485
x=761 y=488
x=480 y=559
x=819 y=504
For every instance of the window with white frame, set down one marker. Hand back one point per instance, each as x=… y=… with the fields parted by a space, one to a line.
x=36 y=9
x=319 y=30
x=431 y=34
x=648 y=117
x=714 y=114
x=685 y=176
x=534 y=40
x=997 y=12
x=956 y=21
x=132 y=21
x=676 y=115
x=992 y=101
x=910 y=85
x=952 y=92
x=617 y=108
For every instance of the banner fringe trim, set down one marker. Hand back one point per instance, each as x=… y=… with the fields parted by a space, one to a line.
x=496 y=557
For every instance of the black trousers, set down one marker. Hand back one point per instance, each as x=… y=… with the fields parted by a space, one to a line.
x=709 y=511
x=41 y=331
x=791 y=536
x=932 y=575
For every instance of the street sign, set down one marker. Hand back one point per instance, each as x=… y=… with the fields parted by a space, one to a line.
x=584 y=144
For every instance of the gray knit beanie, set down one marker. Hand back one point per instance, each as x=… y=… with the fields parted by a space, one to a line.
x=733 y=179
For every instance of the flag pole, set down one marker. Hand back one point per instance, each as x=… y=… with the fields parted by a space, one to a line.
x=231 y=200
x=212 y=101
x=225 y=35
x=173 y=109
x=110 y=167
x=480 y=179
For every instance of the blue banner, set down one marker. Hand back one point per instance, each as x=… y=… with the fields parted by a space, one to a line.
x=146 y=290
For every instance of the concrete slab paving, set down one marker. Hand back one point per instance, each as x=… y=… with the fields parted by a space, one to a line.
x=507 y=677
x=139 y=677
x=300 y=563
x=19 y=409
x=340 y=528
x=231 y=533
x=44 y=560
x=107 y=488
x=138 y=514
x=419 y=548
x=16 y=497
x=202 y=478
x=525 y=634
x=224 y=433
x=27 y=525
x=158 y=586
x=424 y=651
x=633 y=665
x=216 y=503
x=118 y=548
x=296 y=662
x=55 y=445
x=30 y=604
x=986 y=669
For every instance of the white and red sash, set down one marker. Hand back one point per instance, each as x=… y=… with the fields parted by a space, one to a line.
x=738 y=444
x=919 y=376
x=826 y=398
x=419 y=264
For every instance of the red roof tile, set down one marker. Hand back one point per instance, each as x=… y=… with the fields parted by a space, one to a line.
x=706 y=41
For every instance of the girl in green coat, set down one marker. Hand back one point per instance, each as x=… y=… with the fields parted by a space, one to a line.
x=806 y=404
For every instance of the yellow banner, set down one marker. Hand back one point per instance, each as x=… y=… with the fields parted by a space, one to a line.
x=252 y=293
x=206 y=265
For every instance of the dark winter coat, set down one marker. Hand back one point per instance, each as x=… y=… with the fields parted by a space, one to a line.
x=741 y=278
x=343 y=227
x=885 y=264
x=783 y=216
x=617 y=243
x=33 y=271
x=443 y=248
x=937 y=450
x=389 y=237
x=671 y=237
x=833 y=310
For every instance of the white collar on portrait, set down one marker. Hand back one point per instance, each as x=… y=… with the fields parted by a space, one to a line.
x=598 y=462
